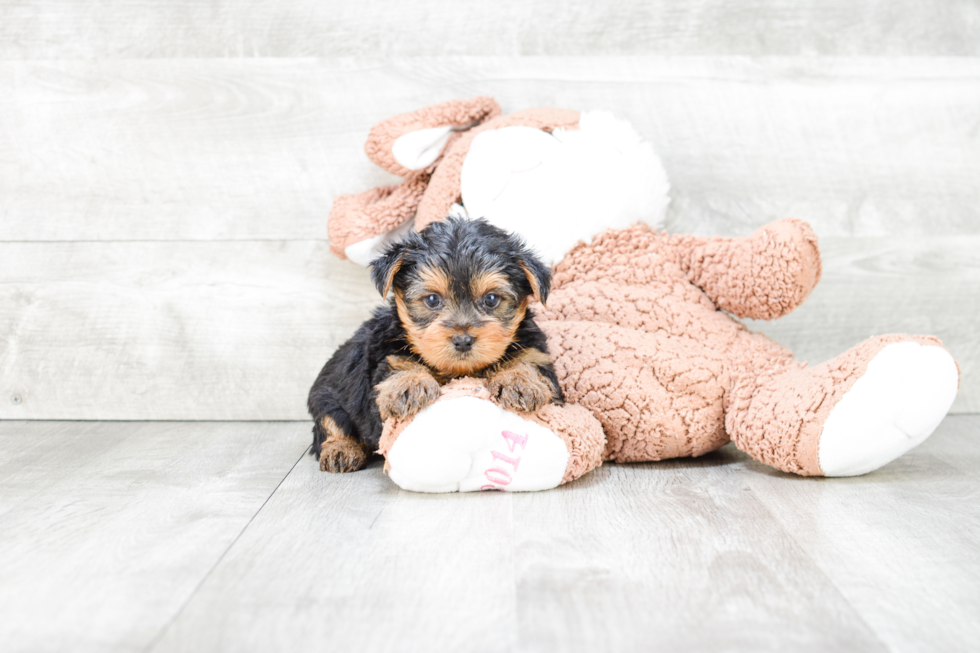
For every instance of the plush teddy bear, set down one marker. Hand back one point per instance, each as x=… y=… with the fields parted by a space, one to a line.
x=640 y=323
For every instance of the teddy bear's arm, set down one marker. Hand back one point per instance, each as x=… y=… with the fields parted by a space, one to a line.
x=763 y=276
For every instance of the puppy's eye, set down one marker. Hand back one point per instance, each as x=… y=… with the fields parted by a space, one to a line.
x=491 y=300
x=433 y=301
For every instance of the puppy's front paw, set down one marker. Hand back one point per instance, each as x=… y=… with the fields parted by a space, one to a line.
x=342 y=455
x=521 y=388
x=405 y=393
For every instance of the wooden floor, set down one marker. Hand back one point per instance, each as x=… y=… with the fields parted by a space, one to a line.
x=205 y=536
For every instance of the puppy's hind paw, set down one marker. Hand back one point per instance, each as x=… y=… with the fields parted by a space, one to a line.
x=342 y=455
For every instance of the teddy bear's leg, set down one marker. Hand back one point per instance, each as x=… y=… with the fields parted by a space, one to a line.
x=464 y=442
x=850 y=415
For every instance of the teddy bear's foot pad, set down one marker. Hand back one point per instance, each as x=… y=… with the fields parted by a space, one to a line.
x=895 y=405
x=468 y=444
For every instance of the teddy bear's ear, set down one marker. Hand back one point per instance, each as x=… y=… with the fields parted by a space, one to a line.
x=414 y=140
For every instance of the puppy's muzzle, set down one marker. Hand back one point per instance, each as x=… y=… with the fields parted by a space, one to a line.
x=462 y=342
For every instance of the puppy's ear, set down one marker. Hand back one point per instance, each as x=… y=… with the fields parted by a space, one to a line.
x=538 y=275
x=385 y=267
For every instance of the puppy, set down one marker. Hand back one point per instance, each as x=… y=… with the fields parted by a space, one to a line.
x=459 y=308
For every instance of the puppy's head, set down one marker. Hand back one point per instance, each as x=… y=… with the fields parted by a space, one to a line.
x=461 y=290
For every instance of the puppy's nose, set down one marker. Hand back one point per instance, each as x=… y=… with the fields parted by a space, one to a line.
x=463 y=342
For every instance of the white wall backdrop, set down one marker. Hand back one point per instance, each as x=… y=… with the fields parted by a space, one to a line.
x=166 y=170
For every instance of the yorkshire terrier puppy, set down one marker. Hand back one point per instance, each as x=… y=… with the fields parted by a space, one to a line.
x=459 y=308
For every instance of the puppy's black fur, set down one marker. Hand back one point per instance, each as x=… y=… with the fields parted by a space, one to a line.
x=459 y=308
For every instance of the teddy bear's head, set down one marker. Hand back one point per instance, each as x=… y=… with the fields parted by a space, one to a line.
x=553 y=176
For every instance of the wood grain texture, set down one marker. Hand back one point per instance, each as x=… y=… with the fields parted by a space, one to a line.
x=136 y=330
x=350 y=562
x=900 y=544
x=180 y=537
x=634 y=558
x=717 y=553
x=238 y=330
x=106 y=529
x=45 y=29
x=674 y=557
x=258 y=149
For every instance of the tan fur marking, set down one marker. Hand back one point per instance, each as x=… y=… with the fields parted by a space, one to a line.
x=520 y=313
x=404 y=316
x=533 y=280
x=435 y=347
x=434 y=280
x=532 y=357
x=390 y=279
x=481 y=284
x=492 y=340
x=412 y=332
x=401 y=363
x=340 y=453
x=334 y=432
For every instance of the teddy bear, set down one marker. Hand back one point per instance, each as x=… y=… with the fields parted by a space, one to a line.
x=643 y=326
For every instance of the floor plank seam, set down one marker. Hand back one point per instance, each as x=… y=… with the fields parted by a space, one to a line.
x=183 y=606
x=830 y=581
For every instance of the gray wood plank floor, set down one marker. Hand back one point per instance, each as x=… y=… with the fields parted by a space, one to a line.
x=194 y=536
